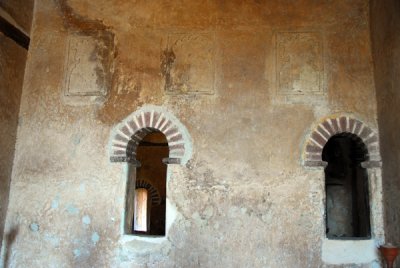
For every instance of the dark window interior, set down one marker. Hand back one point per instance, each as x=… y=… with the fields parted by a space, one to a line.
x=346 y=186
x=150 y=152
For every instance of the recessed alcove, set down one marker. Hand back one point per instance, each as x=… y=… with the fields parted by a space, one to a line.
x=150 y=141
x=343 y=153
x=346 y=188
x=150 y=182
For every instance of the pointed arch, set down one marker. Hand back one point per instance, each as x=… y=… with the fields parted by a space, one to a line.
x=127 y=135
x=344 y=126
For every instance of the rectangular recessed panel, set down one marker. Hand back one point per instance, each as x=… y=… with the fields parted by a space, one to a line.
x=188 y=63
x=85 y=74
x=299 y=63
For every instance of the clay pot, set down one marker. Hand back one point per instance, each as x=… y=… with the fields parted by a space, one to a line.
x=390 y=253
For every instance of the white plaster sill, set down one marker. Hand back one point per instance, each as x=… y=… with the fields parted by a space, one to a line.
x=126 y=238
x=349 y=251
x=138 y=248
x=171 y=214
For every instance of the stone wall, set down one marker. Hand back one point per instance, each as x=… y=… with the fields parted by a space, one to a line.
x=385 y=28
x=249 y=80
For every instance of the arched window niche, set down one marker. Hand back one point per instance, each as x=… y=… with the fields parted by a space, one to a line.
x=146 y=214
x=347 y=210
x=343 y=155
x=148 y=141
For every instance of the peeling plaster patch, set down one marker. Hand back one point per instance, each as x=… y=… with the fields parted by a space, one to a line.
x=86 y=220
x=81 y=253
x=71 y=209
x=208 y=212
x=34 y=227
x=95 y=238
x=52 y=239
x=82 y=187
x=77 y=241
x=77 y=253
x=76 y=139
x=198 y=220
x=55 y=203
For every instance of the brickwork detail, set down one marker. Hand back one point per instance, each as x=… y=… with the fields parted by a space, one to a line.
x=343 y=125
x=128 y=134
x=154 y=194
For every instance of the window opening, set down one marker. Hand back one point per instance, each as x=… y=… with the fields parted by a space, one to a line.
x=146 y=191
x=142 y=210
x=346 y=188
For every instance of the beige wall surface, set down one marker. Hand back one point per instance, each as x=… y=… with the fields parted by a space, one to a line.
x=385 y=29
x=12 y=66
x=248 y=79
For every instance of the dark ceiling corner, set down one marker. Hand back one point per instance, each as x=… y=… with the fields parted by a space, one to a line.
x=14 y=33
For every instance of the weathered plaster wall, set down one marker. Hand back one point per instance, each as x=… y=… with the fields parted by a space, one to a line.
x=385 y=29
x=12 y=67
x=248 y=79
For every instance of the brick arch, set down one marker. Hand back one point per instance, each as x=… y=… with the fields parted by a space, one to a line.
x=345 y=126
x=154 y=193
x=127 y=135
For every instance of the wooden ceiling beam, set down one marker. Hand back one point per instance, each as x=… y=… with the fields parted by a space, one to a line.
x=14 y=33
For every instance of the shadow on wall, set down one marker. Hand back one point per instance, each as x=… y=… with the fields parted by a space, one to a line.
x=8 y=241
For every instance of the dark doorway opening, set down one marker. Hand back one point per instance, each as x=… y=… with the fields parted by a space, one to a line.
x=346 y=188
